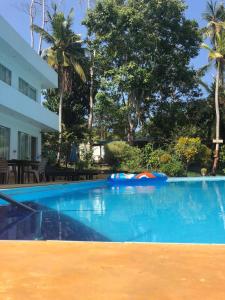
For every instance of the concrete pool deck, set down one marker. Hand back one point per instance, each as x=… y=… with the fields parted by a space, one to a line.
x=96 y=271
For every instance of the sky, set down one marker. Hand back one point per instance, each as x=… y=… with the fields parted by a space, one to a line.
x=13 y=12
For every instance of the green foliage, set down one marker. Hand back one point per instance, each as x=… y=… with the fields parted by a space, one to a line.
x=86 y=158
x=154 y=160
x=65 y=49
x=75 y=107
x=120 y=155
x=174 y=167
x=222 y=158
x=204 y=171
x=143 y=50
x=187 y=149
x=205 y=156
x=162 y=161
x=51 y=143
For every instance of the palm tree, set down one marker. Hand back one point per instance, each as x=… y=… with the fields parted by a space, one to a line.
x=214 y=14
x=217 y=55
x=215 y=17
x=64 y=54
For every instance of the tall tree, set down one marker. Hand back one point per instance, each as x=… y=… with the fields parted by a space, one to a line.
x=215 y=31
x=217 y=55
x=143 y=48
x=91 y=54
x=31 y=15
x=43 y=21
x=65 y=53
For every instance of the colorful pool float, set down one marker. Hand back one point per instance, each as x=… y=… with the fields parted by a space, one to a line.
x=144 y=177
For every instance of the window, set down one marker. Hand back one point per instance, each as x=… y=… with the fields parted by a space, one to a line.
x=23 y=146
x=5 y=74
x=4 y=142
x=27 y=146
x=33 y=148
x=27 y=89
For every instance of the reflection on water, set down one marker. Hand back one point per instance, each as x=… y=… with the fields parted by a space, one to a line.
x=183 y=212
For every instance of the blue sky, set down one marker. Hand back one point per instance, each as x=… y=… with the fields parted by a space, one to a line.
x=12 y=12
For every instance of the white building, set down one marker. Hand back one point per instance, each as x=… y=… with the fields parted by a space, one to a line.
x=23 y=74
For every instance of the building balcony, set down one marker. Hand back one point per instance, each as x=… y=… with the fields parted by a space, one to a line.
x=16 y=104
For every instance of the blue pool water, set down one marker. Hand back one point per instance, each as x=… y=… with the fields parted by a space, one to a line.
x=179 y=211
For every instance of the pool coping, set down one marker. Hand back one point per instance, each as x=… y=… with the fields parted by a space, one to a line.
x=55 y=270
x=170 y=180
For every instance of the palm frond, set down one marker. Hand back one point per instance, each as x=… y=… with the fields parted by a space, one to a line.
x=79 y=70
x=70 y=17
x=203 y=70
x=45 y=35
x=205 y=85
x=205 y=46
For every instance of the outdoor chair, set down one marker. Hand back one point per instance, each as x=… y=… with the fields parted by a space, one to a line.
x=5 y=171
x=38 y=173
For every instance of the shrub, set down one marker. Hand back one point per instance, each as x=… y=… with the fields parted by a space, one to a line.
x=147 y=151
x=114 y=153
x=174 y=167
x=165 y=158
x=163 y=161
x=222 y=155
x=187 y=149
x=204 y=171
x=120 y=155
x=204 y=156
x=151 y=158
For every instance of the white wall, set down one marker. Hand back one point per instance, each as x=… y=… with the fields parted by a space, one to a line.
x=19 y=70
x=16 y=125
x=15 y=46
x=27 y=110
x=98 y=153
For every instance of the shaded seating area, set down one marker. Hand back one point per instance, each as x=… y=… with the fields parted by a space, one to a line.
x=28 y=171
x=38 y=171
x=17 y=171
x=5 y=171
x=54 y=173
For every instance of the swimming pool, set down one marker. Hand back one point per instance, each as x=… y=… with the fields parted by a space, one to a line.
x=180 y=211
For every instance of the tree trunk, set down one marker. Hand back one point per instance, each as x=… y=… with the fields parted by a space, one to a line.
x=42 y=26
x=216 y=153
x=91 y=100
x=130 y=132
x=61 y=85
x=31 y=14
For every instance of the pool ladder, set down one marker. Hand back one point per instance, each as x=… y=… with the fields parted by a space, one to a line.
x=16 y=203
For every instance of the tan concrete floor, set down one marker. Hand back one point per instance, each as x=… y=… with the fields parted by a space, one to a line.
x=96 y=271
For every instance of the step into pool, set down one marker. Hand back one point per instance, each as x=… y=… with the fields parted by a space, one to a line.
x=179 y=211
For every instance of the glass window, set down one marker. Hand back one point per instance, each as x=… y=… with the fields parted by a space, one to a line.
x=24 y=145
x=27 y=146
x=27 y=89
x=5 y=74
x=4 y=142
x=33 y=148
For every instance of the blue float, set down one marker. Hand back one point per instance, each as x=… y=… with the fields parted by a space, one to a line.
x=136 y=179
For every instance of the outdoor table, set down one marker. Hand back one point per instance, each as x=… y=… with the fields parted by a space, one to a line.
x=21 y=164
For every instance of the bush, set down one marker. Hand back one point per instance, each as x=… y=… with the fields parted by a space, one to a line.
x=187 y=149
x=222 y=156
x=165 y=158
x=120 y=155
x=163 y=161
x=204 y=156
x=174 y=167
x=151 y=158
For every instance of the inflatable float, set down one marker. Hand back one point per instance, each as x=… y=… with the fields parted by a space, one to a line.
x=134 y=179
